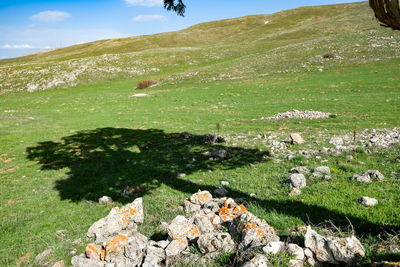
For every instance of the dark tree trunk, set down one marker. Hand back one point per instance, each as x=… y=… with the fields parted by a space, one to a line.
x=387 y=12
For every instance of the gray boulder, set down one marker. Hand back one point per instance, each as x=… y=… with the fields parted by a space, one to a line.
x=333 y=249
x=296 y=139
x=118 y=219
x=258 y=261
x=300 y=169
x=368 y=201
x=216 y=242
x=297 y=180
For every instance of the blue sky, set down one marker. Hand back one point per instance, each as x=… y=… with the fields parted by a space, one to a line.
x=28 y=26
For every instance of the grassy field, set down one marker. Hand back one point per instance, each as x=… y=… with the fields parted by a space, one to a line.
x=62 y=149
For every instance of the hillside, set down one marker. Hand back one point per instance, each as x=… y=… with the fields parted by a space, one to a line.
x=291 y=41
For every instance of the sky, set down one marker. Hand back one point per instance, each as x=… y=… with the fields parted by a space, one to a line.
x=27 y=26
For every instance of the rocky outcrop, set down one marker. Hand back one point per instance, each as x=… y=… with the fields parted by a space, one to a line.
x=118 y=243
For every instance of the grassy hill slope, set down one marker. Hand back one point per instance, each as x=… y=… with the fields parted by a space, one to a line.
x=243 y=47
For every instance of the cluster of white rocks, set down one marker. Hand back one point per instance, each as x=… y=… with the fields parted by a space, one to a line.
x=213 y=226
x=297 y=114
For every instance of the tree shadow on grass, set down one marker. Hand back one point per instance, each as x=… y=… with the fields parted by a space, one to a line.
x=106 y=160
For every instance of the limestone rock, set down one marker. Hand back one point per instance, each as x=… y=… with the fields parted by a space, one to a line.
x=81 y=261
x=201 y=197
x=294 y=192
x=95 y=252
x=204 y=223
x=336 y=140
x=176 y=247
x=300 y=169
x=105 y=200
x=368 y=176
x=257 y=261
x=154 y=257
x=179 y=227
x=215 y=242
x=297 y=180
x=44 y=254
x=58 y=264
x=221 y=154
x=117 y=220
x=190 y=207
x=296 y=139
x=224 y=183
x=368 y=201
x=296 y=251
x=115 y=247
x=362 y=178
x=322 y=172
x=135 y=250
x=274 y=247
x=333 y=249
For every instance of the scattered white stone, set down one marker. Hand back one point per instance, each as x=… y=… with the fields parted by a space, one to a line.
x=296 y=114
x=296 y=139
x=201 y=197
x=336 y=140
x=297 y=180
x=221 y=154
x=105 y=200
x=274 y=247
x=257 y=261
x=333 y=249
x=224 y=183
x=300 y=169
x=140 y=95
x=368 y=201
x=322 y=172
x=41 y=256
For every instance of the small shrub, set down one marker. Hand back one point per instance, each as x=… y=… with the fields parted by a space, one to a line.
x=145 y=84
x=328 y=55
x=333 y=116
x=346 y=168
x=360 y=150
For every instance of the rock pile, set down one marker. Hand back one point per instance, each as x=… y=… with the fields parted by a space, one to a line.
x=367 y=176
x=212 y=226
x=296 y=114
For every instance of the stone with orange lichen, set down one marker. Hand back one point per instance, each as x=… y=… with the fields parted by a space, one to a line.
x=201 y=197
x=176 y=247
x=117 y=220
x=231 y=210
x=94 y=251
x=178 y=227
x=115 y=246
x=193 y=233
x=58 y=264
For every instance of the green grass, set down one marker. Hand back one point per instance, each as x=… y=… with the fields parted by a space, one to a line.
x=62 y=149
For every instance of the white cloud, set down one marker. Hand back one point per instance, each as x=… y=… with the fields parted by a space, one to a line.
x=148 y=3
x=50 y=16
x=148 y=18
x=23 y=46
